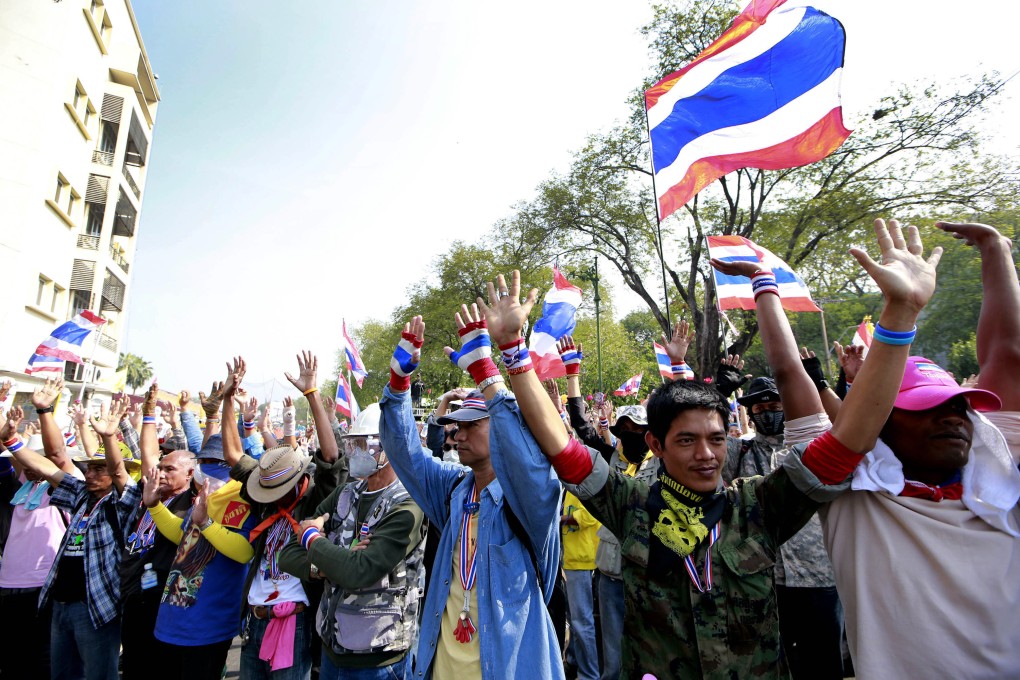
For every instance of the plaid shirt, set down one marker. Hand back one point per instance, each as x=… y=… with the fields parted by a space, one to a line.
x=103 y=545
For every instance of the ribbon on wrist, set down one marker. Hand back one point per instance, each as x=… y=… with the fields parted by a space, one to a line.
x=404 y=361
x=14 y=446
x=308 y=537
x=148 y=420
x=516 y=357
x=763 y=282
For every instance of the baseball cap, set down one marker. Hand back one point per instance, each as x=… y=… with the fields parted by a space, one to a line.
x=760 y=391
x=472 y=408
x=636 y=414
x=926 y=385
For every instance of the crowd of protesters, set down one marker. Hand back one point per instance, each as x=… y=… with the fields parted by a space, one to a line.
x=729 y=528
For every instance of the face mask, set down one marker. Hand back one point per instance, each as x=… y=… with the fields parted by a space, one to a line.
x=217 y=474
x=361 y=463
x=768 y=423
x=634 y=446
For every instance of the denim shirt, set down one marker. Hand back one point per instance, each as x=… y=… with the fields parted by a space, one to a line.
x=517 y=639
x=189 y=423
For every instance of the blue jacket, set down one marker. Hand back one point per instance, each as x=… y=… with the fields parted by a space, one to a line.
x=516 y=635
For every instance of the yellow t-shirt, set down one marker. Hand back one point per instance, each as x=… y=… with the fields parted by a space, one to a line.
x=579 y=542
x=458 y=660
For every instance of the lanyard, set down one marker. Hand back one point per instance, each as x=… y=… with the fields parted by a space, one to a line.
x=692 y=571
x=465 y=629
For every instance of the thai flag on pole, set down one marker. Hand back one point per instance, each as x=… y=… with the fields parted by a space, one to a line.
x=663 y=360
x=64 y=344
x=631 y=386
x=864 y=335
x=734 y=292
x=765 y=94
x=558 y=310
x=343 y=396
x=354 y=358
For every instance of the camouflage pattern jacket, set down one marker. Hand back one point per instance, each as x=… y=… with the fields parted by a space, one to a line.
x=803 y=562
x=673 y=631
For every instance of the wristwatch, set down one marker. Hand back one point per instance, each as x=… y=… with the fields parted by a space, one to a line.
x=45 y=409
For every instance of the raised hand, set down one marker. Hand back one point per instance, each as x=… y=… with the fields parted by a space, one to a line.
x=407 y=354
x=172 y=417
x=329 y=403
x=902 y=274
x=505 y=314
x=45 y=395
x=973 y=233
x=78 y=414
x=31 y=429
x=308 y=364
x=553 y=390
x=265 y=423
x=288 y=402
x=729 y=376
x=149 y=403
x=240 y=398
x=475 y=355
x=150 y=491
x=200 y=513
x=10 y=427
x=851 y=358
x=570 y=355
x=235 y=374
x=676 y=346
x=250 y=410
x=5 y=389
x=211 y=402
x=738 y=267
x=184 y=400
x=134 y=414
x=970 y=383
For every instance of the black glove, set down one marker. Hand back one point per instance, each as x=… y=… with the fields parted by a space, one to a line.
x=813 y=366
x=728 y=379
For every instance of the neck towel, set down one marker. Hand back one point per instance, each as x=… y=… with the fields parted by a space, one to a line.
x=991 y=481
x=681 y=520
x=278 y=642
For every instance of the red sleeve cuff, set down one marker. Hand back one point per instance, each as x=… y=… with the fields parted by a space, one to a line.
x=573 y=464
x=830 y=460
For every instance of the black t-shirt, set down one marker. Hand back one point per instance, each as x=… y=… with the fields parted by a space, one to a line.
x=160 y=553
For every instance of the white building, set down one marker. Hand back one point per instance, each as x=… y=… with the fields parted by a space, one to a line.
x=79 y=101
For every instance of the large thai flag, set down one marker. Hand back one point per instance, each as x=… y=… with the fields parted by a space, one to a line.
x=764 y=95
x=64 y=344
x=343 y=396
x=663 y=360
x=558 y=311
x=734 y=292
x=631 y=385
x=354 y=358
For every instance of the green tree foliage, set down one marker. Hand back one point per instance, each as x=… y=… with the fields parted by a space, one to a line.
x=139 y=371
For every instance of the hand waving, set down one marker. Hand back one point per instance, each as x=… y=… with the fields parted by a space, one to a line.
x=677 y=345
x=851 y=358
x=308 y=364
x=903 y=275
x=505 y=314
x=235 y=374
x=44 y=396
x=407 y=354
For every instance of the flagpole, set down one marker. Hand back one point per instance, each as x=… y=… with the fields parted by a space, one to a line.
x=658 y=221
x=825 y=340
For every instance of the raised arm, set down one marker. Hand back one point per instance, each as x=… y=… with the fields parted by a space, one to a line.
x=907 y=282
x=211 y=405
x=676 y=347
x=9 y=432
x=998 y=332
x=148 y=441
x=106 y=427
x=86 y=437
x=289 y=422
x=308 y=365
x=232 y=449
x=796 y=391
x=53 y=439
x=24 y=458
x=813 y=366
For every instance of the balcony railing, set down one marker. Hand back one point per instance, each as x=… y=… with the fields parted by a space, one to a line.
x=118 y=257
x=88 y=242
x=131 y=181
x=102 y=157
x=106 y=342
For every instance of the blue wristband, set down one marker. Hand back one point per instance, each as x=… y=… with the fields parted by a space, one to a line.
x=894 y=337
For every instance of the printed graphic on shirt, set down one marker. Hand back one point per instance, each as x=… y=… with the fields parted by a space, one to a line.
x=186 y=577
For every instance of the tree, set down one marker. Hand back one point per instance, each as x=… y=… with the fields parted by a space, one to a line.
x=918 y=154
x=139 y=371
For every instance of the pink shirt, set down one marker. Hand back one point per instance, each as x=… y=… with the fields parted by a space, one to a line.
x=32 y=545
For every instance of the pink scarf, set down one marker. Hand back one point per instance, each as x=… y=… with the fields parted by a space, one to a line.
x=278 y=642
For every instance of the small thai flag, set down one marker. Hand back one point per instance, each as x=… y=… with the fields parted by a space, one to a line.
x=631 y=386
x=354 y=358
x=343 y=396
x=558 y=319
x=734 y=292
x=64 y=344
x=663 y=360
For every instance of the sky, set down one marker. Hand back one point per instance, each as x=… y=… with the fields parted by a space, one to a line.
x=310 y=159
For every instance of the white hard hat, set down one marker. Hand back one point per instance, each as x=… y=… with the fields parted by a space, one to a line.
x=367 y=424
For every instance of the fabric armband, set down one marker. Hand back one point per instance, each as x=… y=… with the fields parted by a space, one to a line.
x=829 y=460
x=573 y=464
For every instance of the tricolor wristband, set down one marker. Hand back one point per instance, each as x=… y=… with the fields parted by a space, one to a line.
x=249 y=425
x=148 y=420
x=309 y=536
x=604 y=423
x=516 y=357
x=894 y=337
x=764 y=282
x=16 y=446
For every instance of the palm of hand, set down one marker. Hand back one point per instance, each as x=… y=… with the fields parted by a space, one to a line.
x=44 y=396
x=905 y=277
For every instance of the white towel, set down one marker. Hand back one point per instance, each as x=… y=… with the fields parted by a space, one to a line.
x=991 y=481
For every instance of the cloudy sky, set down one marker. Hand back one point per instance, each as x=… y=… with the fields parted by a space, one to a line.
x=302 y=147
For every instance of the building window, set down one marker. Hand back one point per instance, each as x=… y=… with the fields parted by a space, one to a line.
x=58 y=298
x=82 y=109
x=65 y=200
x=80 y=301
x=44 y=287
x=94 y=218
x=99 y=22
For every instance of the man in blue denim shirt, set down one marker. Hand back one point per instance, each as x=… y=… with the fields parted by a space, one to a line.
x=501 y=629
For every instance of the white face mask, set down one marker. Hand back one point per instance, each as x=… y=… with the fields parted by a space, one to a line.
x=362 y=462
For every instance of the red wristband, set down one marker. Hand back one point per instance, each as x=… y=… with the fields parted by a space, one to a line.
x=830 y=460
x=399 y=383
x=482 y=369
x=573 y=464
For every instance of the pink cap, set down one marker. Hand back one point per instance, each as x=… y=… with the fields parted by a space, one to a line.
x=926 y=385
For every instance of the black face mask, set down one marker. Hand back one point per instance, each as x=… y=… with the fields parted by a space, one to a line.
x=447 y=447
x=634 y=446
x=769 y=423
